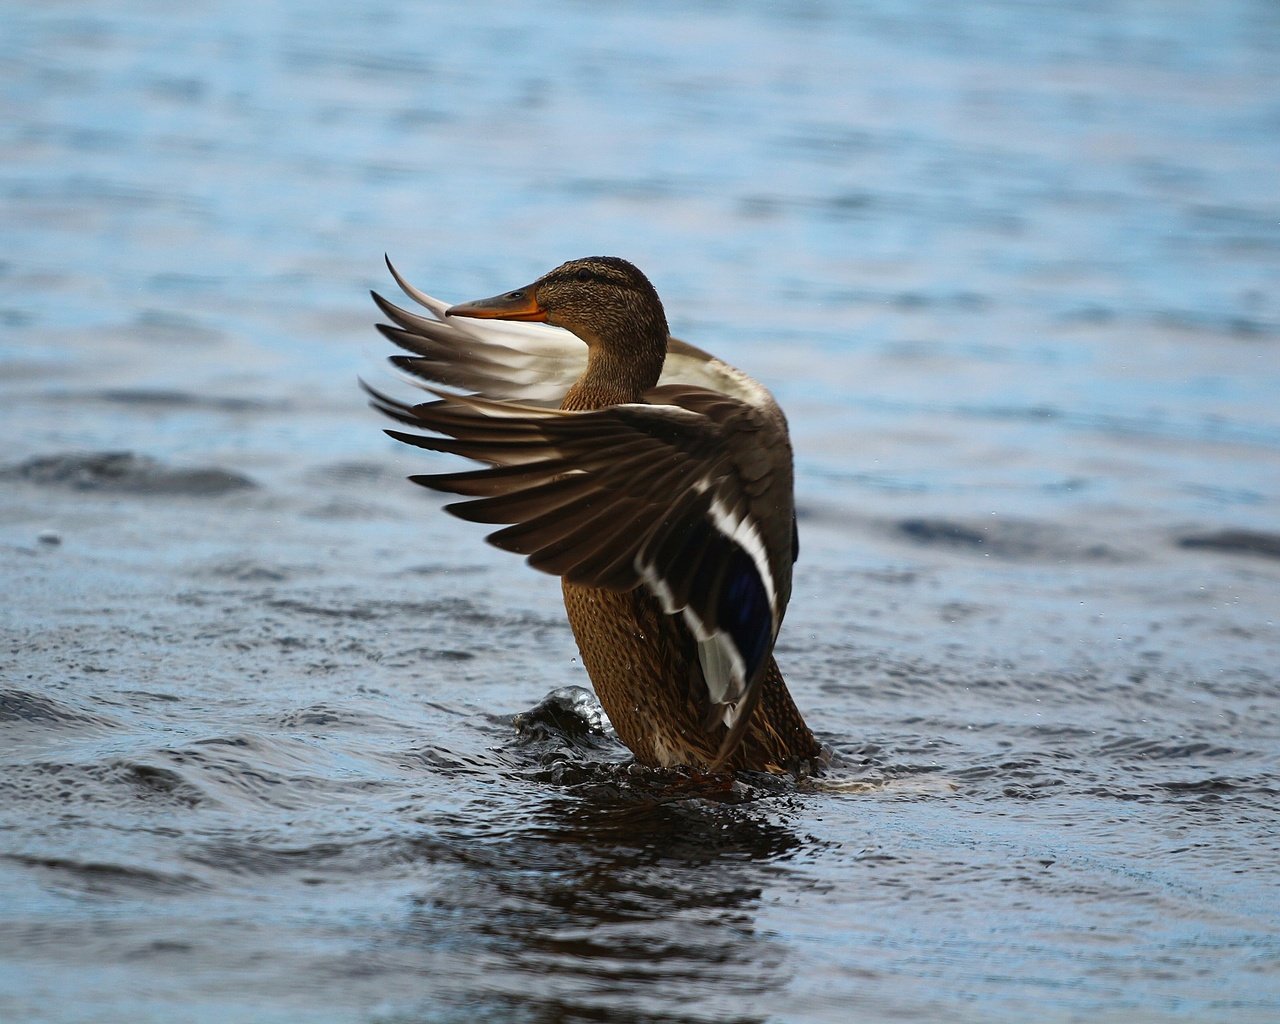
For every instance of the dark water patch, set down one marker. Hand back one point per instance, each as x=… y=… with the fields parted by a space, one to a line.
x=1142 y=749
x=893 y=577
x=889 y=483
x=607 y=896
x=443 y=654
x=689 y=831
x=444 y=568
x=84 y=192
x=155 y=784
x=343 y=857
x=1007 y=539
x=1236 y=542
x=445 y=760
x=268 y=772
x=69 y=786
x=147 y=696
x=160 y=398
x=353 y=471
x=328 y=718
x=1238 y=230
x=34 y=368
x=920 y=300
x=1070 y=764
x=941 y=531
x=1226 y=496
x=849 y=674
x=97 y=878
x=96 y=139
x=1089 y=314
x=317 y=717
x=311 y=609
x=1018 y=771
x=248 y=571
x=458 y=613
x=1211 y=429
x=167 y=327
x=833 y=142
x=966 y=301
x=1243 y=799
x=1244 y=684
x=454 y=609
x=153 y=949
x=847 y=205
x=124 y=473
x=120 y=783
x=417 y=119
x=1153 y=423
x=344 y=509
x=631 y=189
x=419 y=655
x=186 y=281
x=1217 y=785
x=885 y=203
x=1028 y=413
x=178 y=89
x=390 y=63
x=23 y=706
x=600 y=768
x=1239 y=325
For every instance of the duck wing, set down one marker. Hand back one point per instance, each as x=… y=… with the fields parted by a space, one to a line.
x=688 y=495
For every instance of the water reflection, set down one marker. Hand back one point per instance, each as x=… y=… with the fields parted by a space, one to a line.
x=602 y=908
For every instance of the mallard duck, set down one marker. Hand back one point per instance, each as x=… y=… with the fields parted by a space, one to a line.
x=654 y=479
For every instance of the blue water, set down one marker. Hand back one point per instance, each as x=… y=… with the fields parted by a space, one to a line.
x=1012 y=269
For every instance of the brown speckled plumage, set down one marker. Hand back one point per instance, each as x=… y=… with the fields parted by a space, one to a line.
x=644 y=669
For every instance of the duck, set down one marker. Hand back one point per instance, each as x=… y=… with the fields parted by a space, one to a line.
x=653 y=478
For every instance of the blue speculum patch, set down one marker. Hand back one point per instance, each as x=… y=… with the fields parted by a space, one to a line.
x=744 y=610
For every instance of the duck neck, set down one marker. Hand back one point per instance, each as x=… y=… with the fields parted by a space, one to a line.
x=618 y=374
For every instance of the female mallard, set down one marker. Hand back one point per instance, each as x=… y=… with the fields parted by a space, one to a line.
x=653 y=478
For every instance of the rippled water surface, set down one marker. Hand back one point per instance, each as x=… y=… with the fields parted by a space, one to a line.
x=1014 y=271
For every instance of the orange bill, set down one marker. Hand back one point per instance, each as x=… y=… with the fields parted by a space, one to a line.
x=521 y=304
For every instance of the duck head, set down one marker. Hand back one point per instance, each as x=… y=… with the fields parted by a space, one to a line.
x=605 y=301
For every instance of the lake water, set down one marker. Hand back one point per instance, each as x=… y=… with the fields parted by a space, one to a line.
x=1014 y=272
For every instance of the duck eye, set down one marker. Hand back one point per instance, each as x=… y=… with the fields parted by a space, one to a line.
x=584 y=275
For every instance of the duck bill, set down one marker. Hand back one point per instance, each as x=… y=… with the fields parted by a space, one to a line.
x=521 y=304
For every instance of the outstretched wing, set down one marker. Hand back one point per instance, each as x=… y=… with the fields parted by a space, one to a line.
x=682 y=496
